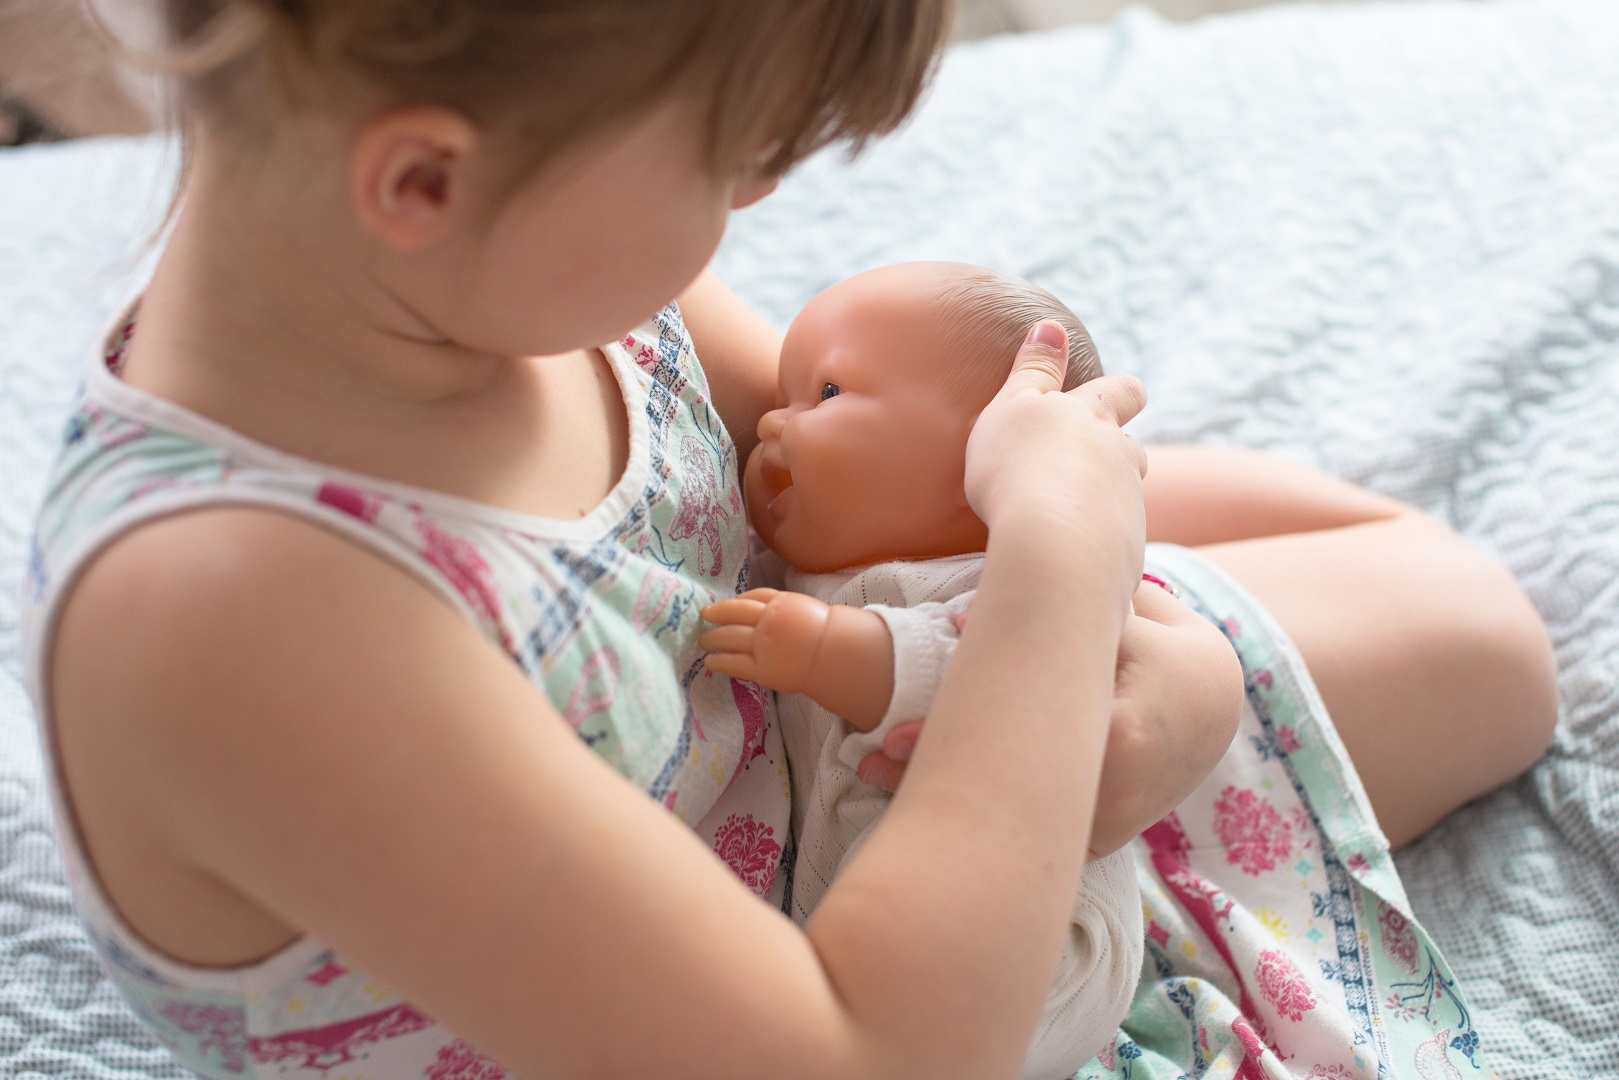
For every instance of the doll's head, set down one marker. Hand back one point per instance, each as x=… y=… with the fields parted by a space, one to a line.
x=882 y=378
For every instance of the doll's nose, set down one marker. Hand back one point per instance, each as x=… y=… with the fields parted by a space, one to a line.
x=771 y=423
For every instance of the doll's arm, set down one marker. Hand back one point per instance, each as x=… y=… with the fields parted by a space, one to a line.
x=842 y=657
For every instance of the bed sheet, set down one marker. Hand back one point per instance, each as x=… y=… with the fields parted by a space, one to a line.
x=1381 y=239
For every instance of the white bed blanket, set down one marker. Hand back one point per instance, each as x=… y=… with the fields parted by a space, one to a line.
x=1383 y=239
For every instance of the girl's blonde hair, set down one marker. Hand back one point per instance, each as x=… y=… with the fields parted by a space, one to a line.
x=784 y=77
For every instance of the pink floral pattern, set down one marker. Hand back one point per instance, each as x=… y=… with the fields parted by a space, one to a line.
x=1399 y=939
x=458 y=1061
x=1252 y=1045
x=1255 y=836
x=753 y=707
x=221 y=1030
x=596 y=688
x=1282 y=985
x=461 y=564
x=335 y=1044
x=701 y=513
x=328 y=972
x=749 y=848
x=657 y=589
x=351 y=501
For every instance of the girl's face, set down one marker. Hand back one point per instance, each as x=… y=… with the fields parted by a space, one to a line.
x=595 y=243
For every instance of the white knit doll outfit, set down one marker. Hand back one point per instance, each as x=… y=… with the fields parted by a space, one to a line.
x=834 y=811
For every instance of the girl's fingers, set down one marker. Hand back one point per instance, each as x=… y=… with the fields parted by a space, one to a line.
x=1042 y=360
x=900 y=742
x=1138 y=454
x=1121 y=397
x=881 y=771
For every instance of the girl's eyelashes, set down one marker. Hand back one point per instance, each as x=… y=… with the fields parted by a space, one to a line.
x=830 y=390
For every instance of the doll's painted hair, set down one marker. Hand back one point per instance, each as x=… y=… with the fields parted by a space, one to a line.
x=986 y=316
x=788 y=75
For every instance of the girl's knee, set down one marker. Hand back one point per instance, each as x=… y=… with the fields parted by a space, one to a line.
x=1502 y=647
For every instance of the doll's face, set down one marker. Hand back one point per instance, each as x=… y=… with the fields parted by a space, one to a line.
x=863 y=460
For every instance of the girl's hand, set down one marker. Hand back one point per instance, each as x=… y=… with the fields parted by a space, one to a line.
x=1178 y=693
x=1031 y=425
x=1177 y=697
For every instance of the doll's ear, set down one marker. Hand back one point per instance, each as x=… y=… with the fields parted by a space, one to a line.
x=408 y=174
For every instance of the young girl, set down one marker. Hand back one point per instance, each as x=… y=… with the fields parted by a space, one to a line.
x=363 y=607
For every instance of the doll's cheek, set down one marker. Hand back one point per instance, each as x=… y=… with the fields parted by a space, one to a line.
x=757 y=497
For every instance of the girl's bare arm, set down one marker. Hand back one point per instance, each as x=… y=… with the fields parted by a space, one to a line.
x=739 y=352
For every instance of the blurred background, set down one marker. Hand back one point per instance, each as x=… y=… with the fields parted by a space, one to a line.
x=58 y=78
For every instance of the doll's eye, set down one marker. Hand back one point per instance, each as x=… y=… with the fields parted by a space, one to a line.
x=830 y=390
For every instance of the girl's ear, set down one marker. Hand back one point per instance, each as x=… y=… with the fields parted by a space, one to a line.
x=408 y=173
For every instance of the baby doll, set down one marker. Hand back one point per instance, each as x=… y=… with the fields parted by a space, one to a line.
x=857 y=485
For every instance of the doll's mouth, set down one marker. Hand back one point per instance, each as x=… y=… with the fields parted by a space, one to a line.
x=778 y=504
x=775 y=477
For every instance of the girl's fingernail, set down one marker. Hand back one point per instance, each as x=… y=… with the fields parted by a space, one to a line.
x=1047 y=333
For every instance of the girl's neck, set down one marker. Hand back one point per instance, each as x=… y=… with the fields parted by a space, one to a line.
x=264 y=316
x=264 y=291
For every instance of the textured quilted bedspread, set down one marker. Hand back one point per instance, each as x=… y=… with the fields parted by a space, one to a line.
x=1383 y=239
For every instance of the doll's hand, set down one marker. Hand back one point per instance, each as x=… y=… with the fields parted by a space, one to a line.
x=766 y=636
x=1178 y=693
x=841 y=656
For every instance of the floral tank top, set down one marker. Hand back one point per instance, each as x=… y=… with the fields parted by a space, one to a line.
x=599 y=613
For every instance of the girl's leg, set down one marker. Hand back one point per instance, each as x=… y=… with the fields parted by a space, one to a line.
x=1434 y=667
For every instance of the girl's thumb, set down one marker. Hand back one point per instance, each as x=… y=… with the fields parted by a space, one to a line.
x=1042 y=359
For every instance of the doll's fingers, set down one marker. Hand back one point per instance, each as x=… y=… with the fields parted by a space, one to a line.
x=737 y=665
x=738 y=612
x=761 y=595
x=728 y=639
